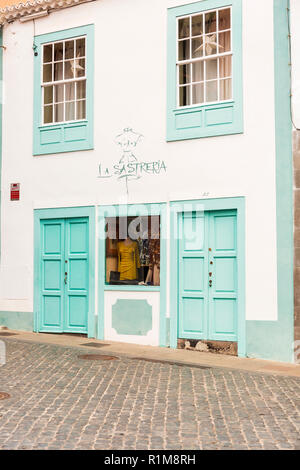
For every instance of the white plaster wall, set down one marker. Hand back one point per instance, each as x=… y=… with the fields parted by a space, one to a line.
x=295 y=46
x=130 y=91
x=152 y=337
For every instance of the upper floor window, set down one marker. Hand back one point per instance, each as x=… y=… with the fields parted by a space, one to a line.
x=64 y=91
x=204 y=57
x=204 y=69
x=64 y=81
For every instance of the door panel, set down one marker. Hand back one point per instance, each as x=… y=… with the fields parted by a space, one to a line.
x=76 y=287
x=193 y=317
x=51 y=271
x=192 y=276
x=223 y=291
x=207 y=276
x=64 y=275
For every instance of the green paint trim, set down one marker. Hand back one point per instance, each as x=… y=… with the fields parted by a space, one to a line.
x=1 y=101
x=132 y=288
x=61 y=143
x=65 y=213
x=17 y=320
x=274 y=339
x=128 y=211
x=177 y=208
x=132 y=317
x=194 y=122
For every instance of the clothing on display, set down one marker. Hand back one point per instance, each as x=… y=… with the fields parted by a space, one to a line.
x=128 y=259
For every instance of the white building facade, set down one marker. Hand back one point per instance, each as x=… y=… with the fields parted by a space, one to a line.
x=149 y=145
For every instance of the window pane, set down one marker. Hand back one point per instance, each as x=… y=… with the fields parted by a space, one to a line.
x=212 y=91
x=210 y=22
x=59 y=93
x=198 y=93
x=48 y=94
x=183 y=50
x=70 y=91
x=211 y=44
x=79 y=67
x=197 y=25
x=58 y=112
x=47 y=50
x=69 y=69
x=70 y=111
x=47 y=73
x=80 y=47
x=211 y=69
x=184 y=96
x=48 y=110
x=224 y=19
x=81 y=89
x=69 y=50
x=58 y=71
x=197 y=47
x=184 y=28
x=224 y=42
x=184 y=74
x=133 y=250
x=198 y=71
x=58 y=51
x=80 y=109
x=225 y=66
x=226 y=89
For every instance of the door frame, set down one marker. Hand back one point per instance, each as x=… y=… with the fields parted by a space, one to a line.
x=65 y=213
x=176 y=209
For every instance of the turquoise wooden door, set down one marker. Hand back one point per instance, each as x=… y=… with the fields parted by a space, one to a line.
x=64 y=276
x=208 y=276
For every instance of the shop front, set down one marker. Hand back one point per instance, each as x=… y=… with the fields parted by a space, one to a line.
x=194 y=247
x=132 y=273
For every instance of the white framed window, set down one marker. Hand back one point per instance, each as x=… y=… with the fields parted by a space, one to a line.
x=64 y=80
x=204 y=57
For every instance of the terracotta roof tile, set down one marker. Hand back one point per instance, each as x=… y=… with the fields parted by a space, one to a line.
x=8 y=3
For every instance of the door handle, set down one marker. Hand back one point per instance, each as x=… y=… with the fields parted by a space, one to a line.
x=66 y=275
x=210 y=283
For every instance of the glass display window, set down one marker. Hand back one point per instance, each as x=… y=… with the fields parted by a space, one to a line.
x=133 y=250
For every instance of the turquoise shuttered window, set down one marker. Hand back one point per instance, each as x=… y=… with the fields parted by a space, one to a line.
x=204 y=72
x=63 y=91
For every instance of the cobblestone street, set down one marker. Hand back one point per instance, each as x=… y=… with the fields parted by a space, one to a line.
x=58 y=401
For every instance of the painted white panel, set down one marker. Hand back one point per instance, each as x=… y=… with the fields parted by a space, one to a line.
x=110 y=334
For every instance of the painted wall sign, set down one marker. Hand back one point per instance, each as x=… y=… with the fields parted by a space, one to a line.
x=129 y=167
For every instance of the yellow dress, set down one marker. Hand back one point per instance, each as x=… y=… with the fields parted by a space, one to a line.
x=128 y=260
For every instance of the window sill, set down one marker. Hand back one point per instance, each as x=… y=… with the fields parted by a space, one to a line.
x=131 y=288
x=59 y=124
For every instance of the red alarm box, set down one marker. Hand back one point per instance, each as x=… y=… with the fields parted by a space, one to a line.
x=15 y=191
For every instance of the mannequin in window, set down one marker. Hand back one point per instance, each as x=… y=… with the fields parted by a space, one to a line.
x=128 y=259
x=154 y=262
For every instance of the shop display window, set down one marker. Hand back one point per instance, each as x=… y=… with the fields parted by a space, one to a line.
x=133 y=250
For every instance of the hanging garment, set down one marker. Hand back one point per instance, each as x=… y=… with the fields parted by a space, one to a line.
x=154 y=261
x=128 y=260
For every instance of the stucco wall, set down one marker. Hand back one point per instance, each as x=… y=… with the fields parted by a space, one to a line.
x=130 y=91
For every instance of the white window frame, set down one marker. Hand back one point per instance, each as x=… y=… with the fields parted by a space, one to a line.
x=62 y=82
x=203 y=59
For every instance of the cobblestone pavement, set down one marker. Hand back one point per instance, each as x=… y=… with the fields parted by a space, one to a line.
x=59 y=401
